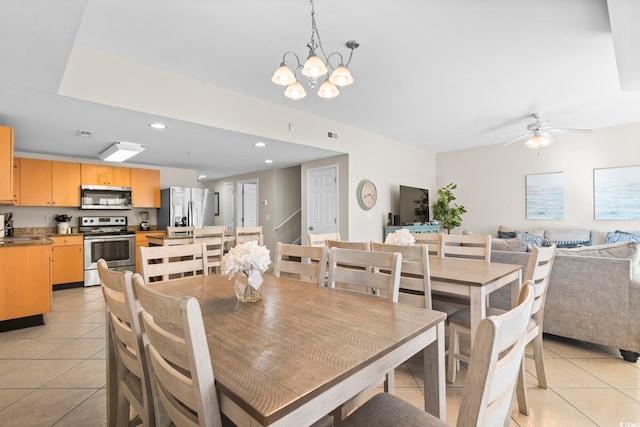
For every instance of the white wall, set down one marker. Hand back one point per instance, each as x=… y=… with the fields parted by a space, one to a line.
x=491 y=180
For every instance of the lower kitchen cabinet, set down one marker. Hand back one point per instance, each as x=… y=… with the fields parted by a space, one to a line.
x=67 y=259
x=25 y=281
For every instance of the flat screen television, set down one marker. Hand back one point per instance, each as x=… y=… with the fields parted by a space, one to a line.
x=408 y=196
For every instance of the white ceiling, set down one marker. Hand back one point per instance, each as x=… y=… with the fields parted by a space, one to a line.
x=444 y=75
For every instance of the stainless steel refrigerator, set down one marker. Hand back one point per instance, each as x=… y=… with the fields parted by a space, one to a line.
x=186 y=207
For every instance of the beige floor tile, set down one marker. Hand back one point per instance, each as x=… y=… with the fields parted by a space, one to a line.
x=411 y=395
x=606 y=407
x=403 y=377
x=32 y=332
x=42 y=407
x=614 y=372
x=63 y=317
x=7 y=342
x=548 y=409
x=454 y=397
x=569 y=348
x=86 y=374
x=7 y=365
x=563 y=373
x=633 y=393
x=76 y=349
x=92 y=412
x=99 y=332
x=35 y=373
x=69 y=330
x=96 y=317
x=32 y=348
x=11 y=395
x=102 y=354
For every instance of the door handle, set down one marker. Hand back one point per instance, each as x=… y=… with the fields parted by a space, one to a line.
x=311 y=228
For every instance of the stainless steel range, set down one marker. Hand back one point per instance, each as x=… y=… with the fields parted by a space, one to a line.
x=107 y=237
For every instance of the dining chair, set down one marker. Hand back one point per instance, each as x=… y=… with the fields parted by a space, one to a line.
x=160 y=263
x=180 y=362
x=490 y=385
x=471 y=246
x=415 y=280
x=320 y=239
x=180 y=231
x=132 y=376
x=306 y=263
x=246 y=234
x=432 y=240
x=537 y=272
x=213 y=237
x=345 y=244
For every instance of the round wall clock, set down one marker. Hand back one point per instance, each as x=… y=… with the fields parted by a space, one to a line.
x=367 y=194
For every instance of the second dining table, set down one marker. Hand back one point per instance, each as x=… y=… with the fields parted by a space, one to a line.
x=305 y=350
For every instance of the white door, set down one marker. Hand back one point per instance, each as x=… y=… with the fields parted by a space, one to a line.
x=229 y=203
x=322 y=200
x=247 y=203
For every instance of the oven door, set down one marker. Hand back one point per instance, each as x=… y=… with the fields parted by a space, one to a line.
x=117 y=251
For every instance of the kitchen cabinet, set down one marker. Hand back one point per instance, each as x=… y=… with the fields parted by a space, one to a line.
x=49 y=183
x=145 y=186
x=67 y=259
x=25 y=281
x=105 y=175
x=16 y=181
x=141 y=240
x=6 y=165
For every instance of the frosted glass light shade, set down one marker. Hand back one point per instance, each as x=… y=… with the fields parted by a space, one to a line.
x=539 y=140
x=341 y=76
x=328 y=90
x=121 y=151
x=283 y=76
x=314 y=67
x=295 y=91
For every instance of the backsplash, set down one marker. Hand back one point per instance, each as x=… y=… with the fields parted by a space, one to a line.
x=36 y=217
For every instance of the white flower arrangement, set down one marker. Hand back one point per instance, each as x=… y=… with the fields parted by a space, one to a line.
x=400 y=237
x=245 y=257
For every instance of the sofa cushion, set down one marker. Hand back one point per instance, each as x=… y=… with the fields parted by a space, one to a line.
x=537 y=231
x=567 y=234
x=512 y=245
x=628 y=250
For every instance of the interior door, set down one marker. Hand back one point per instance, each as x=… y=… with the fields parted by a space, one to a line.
x=249 y=204
x=322 y=199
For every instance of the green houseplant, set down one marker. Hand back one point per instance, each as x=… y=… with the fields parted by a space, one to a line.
x=450 y=216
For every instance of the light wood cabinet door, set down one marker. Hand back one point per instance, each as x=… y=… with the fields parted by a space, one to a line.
x=25 y=281
x=105 y=175
x=16 y=181
x=65 y=183
x=6 y=164
x=35 y=182
x=145 y=188
x=67 y=259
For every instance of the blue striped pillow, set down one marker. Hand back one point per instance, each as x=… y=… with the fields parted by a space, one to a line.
x=622 y=236
x=530 y=239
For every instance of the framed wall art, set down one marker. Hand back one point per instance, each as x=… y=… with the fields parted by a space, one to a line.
x=545 y=196
x=616 y=193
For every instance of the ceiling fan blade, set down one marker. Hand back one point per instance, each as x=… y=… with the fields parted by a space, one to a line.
x=569 y=130
x=521 y=137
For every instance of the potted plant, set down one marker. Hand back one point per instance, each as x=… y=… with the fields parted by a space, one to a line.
x=449 y=216
x=422 y=211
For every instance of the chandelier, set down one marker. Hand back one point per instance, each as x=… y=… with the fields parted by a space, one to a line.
x=315 y=68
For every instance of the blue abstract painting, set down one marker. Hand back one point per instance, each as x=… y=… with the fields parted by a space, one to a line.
x=545 y=196
x=616 y=193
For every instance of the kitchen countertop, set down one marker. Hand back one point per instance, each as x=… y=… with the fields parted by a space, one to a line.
x=24 y=241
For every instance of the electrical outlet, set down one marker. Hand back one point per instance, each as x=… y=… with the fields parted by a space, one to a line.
x=49 y=218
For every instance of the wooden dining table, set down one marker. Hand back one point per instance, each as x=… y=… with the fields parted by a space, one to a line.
x=474 y=279
x=303 y=350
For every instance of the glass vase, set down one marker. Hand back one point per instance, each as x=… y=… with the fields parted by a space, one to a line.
x=248 y=286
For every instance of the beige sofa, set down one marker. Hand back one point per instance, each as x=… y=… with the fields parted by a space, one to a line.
x=593 y=296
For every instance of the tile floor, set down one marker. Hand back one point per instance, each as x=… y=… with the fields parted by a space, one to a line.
x=54 y=375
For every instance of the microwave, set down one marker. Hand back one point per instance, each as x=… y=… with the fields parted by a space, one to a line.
x=105 y=197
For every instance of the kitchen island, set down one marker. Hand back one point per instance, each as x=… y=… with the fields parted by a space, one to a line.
x=25 y=281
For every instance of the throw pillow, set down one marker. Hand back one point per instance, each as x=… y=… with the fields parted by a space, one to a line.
x=506 y=234
x=566 y=244
x=622 y=236
x=530 y=239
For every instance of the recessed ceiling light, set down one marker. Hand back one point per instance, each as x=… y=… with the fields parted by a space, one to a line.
x=202 y=176
x=268 y=161
x=260 y=144
x=158 y=125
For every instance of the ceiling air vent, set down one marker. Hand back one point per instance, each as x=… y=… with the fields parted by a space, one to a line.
x=84 y=133
x=332 y=135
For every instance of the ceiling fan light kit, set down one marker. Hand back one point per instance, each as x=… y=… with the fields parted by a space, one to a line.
x=539 y=133
x=314 y=68
x=539 y=140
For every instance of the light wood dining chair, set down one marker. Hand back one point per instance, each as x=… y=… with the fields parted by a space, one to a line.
x=415 y=280
x=488 y=391
x=246 y=234
x=320 y=239
x=132 y=376
x=432 y=240
x=344 y=244
x=179 y=358
x=160 y=263
x=306 y=263
x=180 y=231
x=537 y=272
x=213 y=237
x=470 y=246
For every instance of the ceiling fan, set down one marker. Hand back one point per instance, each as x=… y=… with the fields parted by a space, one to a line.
x=539 y=134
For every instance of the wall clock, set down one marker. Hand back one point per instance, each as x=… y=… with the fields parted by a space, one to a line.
x=367 y=194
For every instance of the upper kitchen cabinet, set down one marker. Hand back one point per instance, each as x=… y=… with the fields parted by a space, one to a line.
x=6 y=165
x=105 y=175
x=16 y=181
x=145 y=186
x=49 y=183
